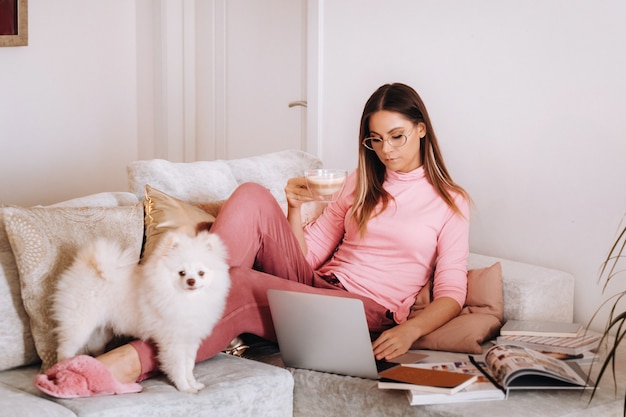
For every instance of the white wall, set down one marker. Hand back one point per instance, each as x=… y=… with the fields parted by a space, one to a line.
x=527 y=98
x=528 y=101
x=68 y=102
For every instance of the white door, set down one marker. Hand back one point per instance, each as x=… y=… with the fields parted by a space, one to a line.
x=217 y=77
x=256 y=69
x=266 y=62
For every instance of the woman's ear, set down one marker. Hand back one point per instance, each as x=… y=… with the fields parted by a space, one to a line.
x=421 y=129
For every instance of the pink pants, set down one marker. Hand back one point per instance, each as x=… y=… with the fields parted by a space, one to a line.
x=263 y=254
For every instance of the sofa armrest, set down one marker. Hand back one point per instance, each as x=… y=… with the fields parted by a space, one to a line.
x=532 y=292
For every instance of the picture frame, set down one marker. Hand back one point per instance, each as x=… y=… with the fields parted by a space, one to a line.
x=16 y=31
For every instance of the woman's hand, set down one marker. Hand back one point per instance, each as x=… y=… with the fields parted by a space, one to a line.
x=398 y=340
x=395 y=341
x=297 y=192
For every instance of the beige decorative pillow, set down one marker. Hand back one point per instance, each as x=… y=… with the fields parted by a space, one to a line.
x=16 y=341
x=44 y=242
x=479 y=320
x=17 y=344
x=213 y=208
x=105 y=199
x=164 y=213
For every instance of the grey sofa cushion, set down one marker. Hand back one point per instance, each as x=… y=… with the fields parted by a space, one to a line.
x=234 y=387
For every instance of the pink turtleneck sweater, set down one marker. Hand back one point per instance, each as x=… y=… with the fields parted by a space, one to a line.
x=416 y=234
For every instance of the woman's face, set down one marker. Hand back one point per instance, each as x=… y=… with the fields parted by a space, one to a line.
x=387 y=125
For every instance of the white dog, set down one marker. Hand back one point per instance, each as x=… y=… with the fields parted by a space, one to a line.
x=174 y=298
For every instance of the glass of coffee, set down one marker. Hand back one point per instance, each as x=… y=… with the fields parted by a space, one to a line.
x=324 y=183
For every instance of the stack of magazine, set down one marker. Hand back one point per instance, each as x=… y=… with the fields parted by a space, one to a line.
x=566 y=339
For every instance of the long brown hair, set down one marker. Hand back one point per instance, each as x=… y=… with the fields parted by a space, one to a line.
x=399 y=98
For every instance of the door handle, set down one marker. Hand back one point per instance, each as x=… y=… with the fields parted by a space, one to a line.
x=301 y=103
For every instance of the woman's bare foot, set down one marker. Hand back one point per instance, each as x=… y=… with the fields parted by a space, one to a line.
x=123 y=362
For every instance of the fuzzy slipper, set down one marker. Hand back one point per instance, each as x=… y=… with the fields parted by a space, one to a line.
x=81 y=376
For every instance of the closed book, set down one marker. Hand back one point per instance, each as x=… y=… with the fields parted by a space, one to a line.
x=478 y=391
x=406 y=377
x=540 y=328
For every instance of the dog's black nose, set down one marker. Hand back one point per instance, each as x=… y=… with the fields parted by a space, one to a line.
x=191 y=282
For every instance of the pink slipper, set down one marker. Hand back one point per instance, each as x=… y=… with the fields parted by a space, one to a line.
x=81 y=376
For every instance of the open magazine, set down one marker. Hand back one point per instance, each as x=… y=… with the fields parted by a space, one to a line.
x=519 y=368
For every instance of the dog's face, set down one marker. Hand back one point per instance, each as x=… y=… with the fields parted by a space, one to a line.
x=192 y=263
x=192 y=277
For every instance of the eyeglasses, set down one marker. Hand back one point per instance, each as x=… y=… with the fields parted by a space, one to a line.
x=396 y=140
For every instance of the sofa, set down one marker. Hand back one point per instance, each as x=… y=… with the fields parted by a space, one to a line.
x=36 y=243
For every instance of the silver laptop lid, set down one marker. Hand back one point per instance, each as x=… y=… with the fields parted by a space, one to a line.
x=322 y=333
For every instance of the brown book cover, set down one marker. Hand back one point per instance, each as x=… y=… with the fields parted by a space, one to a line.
x=408 y=377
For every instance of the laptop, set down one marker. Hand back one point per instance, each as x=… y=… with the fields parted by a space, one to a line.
x=325 y=333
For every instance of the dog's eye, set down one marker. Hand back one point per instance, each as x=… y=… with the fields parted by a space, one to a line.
x=201 y=273
x=182 y=273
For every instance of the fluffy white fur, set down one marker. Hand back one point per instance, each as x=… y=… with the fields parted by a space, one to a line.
x=174 y=298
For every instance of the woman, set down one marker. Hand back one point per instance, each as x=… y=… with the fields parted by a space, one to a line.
x=399 y=220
